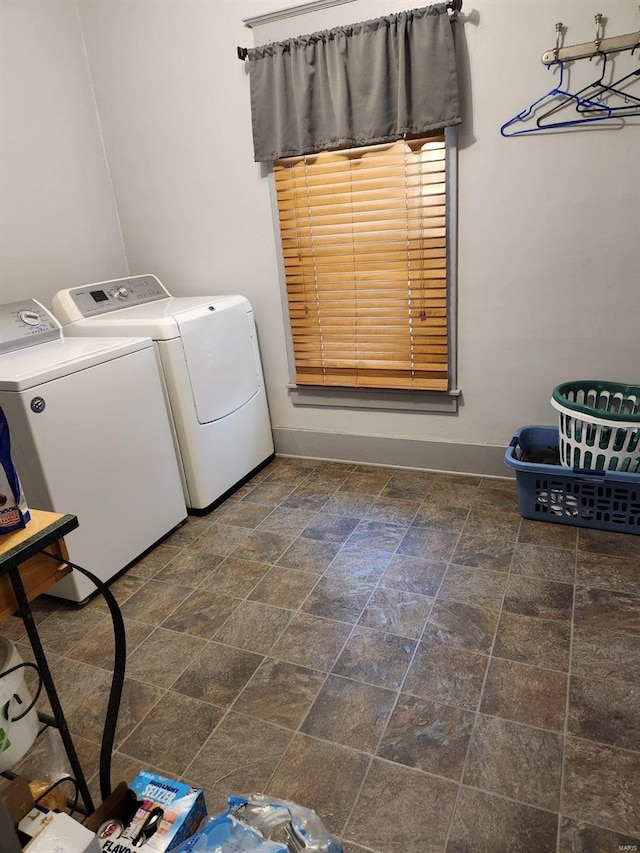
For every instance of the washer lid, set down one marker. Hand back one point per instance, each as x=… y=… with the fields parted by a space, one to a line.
x=41 y=363
x=157 y=320
x=219 y=352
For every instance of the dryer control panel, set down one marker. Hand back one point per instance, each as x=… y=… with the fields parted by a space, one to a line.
x=25 y=323
x=104 y=296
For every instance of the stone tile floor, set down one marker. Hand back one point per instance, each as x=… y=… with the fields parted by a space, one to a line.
x=397 y=649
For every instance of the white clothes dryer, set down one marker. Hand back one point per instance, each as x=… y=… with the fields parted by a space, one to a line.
x=208 y=349
x=89 y=437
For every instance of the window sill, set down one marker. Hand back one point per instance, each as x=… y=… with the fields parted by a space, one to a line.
x=442 y=402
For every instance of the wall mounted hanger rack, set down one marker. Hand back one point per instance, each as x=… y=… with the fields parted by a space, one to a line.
x=588 y=48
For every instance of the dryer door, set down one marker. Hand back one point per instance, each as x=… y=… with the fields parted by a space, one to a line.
x=217 y=345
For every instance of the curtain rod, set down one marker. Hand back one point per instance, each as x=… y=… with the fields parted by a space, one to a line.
x=453 y=6
x=291 y=12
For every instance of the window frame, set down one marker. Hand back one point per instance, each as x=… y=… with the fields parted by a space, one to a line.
x=442 y=402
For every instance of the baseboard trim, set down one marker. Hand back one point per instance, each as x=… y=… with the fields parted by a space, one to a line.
x=483 y=459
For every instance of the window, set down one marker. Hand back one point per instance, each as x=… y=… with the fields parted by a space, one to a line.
x=365 y=253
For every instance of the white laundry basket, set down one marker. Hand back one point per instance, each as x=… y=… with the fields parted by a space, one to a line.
x=17 y=729
x=599 y=425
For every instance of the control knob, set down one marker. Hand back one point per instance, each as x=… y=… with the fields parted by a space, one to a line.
x=30 y=318
x=121 y=292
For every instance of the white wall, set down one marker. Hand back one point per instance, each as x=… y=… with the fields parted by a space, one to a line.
x=549 y=224
x=58 y=221
x=549 y=247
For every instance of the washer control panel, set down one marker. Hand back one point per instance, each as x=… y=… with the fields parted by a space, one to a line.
x=113 y=295
x=25 y=323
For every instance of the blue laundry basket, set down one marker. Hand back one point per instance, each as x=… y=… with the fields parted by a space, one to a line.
x=605 y=500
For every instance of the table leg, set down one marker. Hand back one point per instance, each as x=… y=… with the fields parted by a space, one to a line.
x=47 y=680
x=117 y=680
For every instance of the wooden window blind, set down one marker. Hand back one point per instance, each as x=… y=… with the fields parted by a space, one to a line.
x=364 y=243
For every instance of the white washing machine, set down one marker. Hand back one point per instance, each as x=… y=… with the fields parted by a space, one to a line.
x=89 y=437
x=208 y=349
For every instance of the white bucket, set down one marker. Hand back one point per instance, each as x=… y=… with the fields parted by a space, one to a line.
x=16 y=735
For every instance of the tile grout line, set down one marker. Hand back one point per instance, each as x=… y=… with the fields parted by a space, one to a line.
x=224 y=716
x=556 y=732
x=417 y=639
x=512 y=800
x=402 y=683
x=565 y=728
x=395 y=703
x=480 y=697
x=129 y=650
x=624 y=749
x=450 y=562
x=119 y=743
x=357 y=797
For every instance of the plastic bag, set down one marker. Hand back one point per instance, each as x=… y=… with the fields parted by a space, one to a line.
x=260 y=824
x=46 y=763
x=226 y=833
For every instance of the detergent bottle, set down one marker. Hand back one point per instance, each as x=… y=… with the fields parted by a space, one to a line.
x=14 y=513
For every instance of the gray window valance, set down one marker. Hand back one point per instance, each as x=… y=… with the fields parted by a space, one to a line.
x=357 y=85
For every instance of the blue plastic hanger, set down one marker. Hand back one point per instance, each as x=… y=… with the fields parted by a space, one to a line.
x=585 y=104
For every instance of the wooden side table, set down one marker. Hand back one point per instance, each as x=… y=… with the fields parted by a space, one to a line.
x=37 y=572
x=27 y=571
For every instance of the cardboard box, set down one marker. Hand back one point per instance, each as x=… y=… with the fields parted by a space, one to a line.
x=182 y=807
x=18 y=799
x=121 y=805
